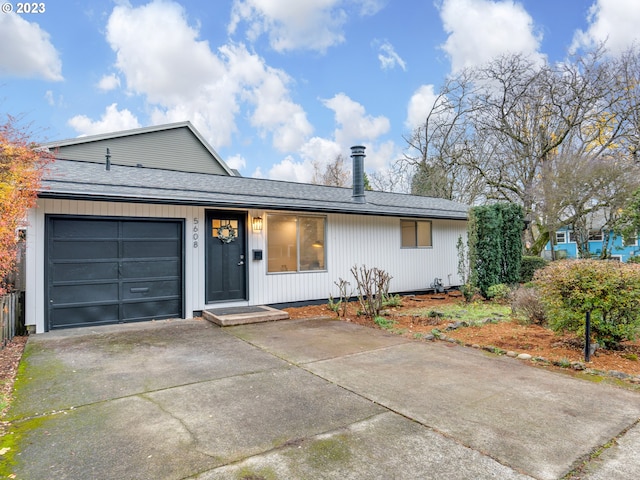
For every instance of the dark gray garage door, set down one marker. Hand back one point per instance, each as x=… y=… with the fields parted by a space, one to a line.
x=104 y=271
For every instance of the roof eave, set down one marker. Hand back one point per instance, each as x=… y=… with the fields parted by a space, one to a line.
x=244 y=205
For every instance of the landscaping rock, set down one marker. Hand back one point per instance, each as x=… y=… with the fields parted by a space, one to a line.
x=524 y=356
x=512 y=354
x=577 y=365
x=620 y=375
x=456 y=325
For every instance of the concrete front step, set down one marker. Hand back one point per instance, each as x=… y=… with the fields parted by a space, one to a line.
x=226 y=317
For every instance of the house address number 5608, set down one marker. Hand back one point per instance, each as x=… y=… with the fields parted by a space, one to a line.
x=195 y=234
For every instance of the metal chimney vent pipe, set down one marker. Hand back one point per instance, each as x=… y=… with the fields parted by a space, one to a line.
x=357 y=154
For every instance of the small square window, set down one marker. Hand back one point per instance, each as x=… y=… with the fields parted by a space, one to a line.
x=415 y=233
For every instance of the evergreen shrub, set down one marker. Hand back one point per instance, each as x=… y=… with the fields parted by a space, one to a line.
x=529 y=265
x=610 y=290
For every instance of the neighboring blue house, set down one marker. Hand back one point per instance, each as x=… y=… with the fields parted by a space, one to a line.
x=619 y=248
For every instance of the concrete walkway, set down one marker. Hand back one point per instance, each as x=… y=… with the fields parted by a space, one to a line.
x=302 y=399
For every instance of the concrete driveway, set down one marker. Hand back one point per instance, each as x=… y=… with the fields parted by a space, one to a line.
x=303 y=399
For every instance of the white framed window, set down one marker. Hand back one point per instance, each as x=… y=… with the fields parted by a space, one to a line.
x=295 y=243
x=561 y=237
x=595 y=235
x=416 y=233
x=630 y=240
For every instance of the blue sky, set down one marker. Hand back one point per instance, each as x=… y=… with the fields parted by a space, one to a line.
x=274 y=85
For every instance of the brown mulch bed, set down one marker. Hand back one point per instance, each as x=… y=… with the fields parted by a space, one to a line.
x=508 y=335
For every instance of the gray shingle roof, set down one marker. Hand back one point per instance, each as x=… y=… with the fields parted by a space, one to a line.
x=91 y=181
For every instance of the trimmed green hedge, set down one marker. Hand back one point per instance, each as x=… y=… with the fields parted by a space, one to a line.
x=529 y=265
x=495 y=245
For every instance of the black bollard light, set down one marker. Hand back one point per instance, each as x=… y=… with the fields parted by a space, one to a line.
x=587 y=338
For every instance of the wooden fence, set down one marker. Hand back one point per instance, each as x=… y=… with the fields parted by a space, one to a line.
x=11 y=316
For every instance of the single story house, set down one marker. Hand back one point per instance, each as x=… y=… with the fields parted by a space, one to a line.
x=151 y=224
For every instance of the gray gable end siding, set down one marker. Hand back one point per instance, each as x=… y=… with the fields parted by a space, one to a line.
x=165 y=149
x=90 y=181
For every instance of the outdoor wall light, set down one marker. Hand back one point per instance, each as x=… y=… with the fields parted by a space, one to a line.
x=256 y=224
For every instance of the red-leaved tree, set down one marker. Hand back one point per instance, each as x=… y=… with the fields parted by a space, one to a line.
x=21 y=168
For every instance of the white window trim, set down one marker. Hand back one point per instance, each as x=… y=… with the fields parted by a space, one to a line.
x=297 y=216
x=415 y=221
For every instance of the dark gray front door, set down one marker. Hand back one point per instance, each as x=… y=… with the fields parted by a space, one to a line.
x=225 y=259
x=104 y=271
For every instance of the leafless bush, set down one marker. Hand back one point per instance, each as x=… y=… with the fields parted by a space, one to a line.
x=526 y=301
x=340 y=306
x=373 y=289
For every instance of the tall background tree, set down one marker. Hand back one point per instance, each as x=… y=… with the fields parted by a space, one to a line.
x=21 y=166
x=334 y=173
x=559 y=140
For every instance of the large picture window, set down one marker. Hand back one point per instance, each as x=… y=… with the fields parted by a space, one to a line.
x=416 y=233
x=295 y=243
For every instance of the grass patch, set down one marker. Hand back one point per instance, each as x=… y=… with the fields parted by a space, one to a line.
x=247 y=473
x=329 y=452
x=470 y=312
x=385 y=323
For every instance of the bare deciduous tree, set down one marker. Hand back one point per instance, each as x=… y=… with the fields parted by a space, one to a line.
x=560 y=139
x=334 y=173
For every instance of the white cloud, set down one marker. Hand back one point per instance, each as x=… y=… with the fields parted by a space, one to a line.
x=236 y=162
x=274 y=111
x=389 y=58
x=48 y=96
x=290 y=170
x=109 y=82
x=354 y=125
x=480 y=30
x=112 y=120
x=300 y=25
x=27 y=50
x=380 y=156
x=155 y=62
x=612 y=21
x=371 y=7
x=182 y=78
x=419 y=106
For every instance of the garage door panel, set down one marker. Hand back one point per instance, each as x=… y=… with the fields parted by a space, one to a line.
x=155 y=230
x=151 y=289
x=87 y=293
x=89 y=250
x=150 y=249
x=102 y=271
x=84 y=228
x=64 y=272
x=87 y=315
x=139 y=311
x=145 y=269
